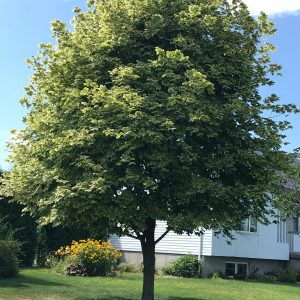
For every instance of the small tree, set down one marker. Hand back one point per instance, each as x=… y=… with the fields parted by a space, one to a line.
x=150 y=110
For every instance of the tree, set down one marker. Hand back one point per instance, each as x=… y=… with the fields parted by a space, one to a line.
x=150 y=110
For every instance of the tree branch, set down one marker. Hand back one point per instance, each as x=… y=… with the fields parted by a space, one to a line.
x=132 y=236
x=162 y=236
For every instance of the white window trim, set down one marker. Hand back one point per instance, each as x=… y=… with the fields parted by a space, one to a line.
x=249 y=225
x=236 y=263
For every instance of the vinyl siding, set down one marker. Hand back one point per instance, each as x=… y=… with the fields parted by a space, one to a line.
x=172 y=243
x=207 y=242
x=262 y=244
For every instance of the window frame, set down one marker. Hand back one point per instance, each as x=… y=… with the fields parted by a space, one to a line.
x=236 y=263
x=249 y=226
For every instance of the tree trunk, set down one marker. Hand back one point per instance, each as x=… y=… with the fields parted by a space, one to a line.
x=148 y=248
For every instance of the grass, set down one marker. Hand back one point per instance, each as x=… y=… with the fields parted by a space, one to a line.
x=44 y=284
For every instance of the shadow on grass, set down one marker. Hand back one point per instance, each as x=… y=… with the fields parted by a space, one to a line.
x=184 y=298
x=290 y=284
x=22 y=281
x=126 y=298
x=104 y=297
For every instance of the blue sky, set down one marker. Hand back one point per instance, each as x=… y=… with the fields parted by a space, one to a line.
x=26 y=23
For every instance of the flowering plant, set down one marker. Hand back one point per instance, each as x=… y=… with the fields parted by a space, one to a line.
x=94 y=256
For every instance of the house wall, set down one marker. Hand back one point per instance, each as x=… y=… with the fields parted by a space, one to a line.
x=136 y=258
x=294 y=263
x=206 y=243
x=262 y=244
x=172 y=243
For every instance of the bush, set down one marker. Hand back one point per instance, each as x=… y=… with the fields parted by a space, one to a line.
x=298 y=276
x=268 y=277
x=87 y=257
x=9 y=250
x=51 y=238
x=216 y=275
x=185 y=266
x=240 y=276
x=58 y=264
x=130 y=268
x=253 y=274
x=24 y=228
x=287 y=275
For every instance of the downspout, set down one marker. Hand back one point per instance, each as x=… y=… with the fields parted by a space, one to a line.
x=200 y=256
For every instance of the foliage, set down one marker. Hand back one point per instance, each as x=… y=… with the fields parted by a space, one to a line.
x=9 y=251
x=184 y=266
x=287 y=275
x=130 y=268
x=134 y=110
x=152 y=111
x=24 y=227
x=268 y=277
x=216 y=275
x=254 y=273
x=90 y=257
x=240 y=276
x=284 y=275
x=51 y=238
x=58 y=264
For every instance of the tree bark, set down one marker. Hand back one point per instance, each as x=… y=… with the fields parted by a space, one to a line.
x=148 y=248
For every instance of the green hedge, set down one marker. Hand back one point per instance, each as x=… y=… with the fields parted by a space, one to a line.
x=184 y=266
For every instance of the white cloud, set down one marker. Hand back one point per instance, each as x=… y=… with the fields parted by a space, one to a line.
x=273 y=7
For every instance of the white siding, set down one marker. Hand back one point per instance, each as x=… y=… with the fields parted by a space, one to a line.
x=264 y=244
x=172 y=243
x=207 y=243
x=261 y=245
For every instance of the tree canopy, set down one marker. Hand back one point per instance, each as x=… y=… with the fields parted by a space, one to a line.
x=151 y=110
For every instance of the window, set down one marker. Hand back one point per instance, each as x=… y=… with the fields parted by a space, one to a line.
x=229 y=269
x=249 y=225
x=234 y=268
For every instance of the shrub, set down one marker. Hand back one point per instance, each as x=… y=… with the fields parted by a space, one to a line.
x=298 y=276
x=287 y=275
x=216 y=275
x=89 y=257
x=24 y=228
x=184 y=266
x=9 y=250
x=130 y=268
x=268 y=277
x=253 y=274
x=58 y=264
x=51 y=238
x=240 y=276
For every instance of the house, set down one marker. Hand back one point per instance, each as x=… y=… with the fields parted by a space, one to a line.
x=256 y=246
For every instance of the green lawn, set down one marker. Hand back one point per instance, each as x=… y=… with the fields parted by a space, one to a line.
x=43 y=284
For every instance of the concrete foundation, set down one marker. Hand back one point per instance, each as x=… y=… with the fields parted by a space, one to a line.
x=294 y=263
x=212 y=264
x=162 y=259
